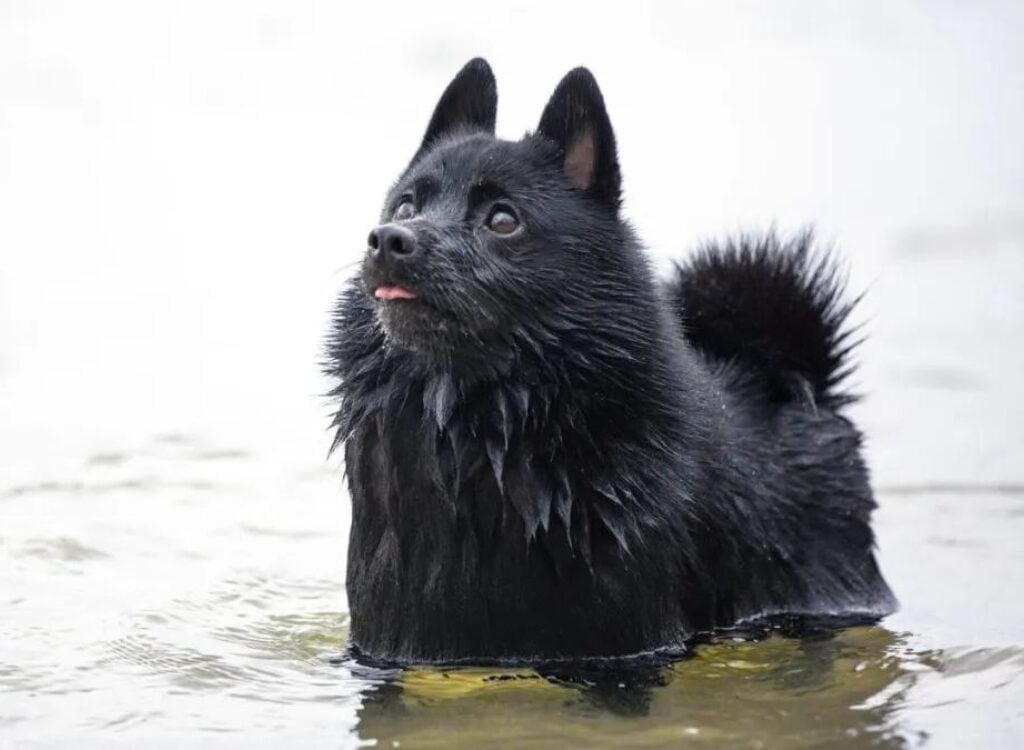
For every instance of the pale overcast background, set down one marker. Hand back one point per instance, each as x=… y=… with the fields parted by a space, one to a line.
x=183 y=186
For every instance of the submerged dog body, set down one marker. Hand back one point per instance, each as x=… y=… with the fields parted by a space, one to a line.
x=550 y=455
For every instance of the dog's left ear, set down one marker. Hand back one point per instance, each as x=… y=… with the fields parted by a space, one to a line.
x=469 y=103
x=575 y=118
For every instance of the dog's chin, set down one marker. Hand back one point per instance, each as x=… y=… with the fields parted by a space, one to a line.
x=440 y=340
x=418 y=327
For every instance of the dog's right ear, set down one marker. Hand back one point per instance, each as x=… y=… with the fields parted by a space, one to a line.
x=575 y=119
x=470 y=103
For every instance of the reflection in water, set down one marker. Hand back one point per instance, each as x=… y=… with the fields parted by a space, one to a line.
x=840 y=688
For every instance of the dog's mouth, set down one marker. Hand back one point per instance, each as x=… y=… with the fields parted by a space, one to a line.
x=393 y=292
x=409 y=319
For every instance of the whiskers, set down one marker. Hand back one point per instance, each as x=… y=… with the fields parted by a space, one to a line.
x=346 y=268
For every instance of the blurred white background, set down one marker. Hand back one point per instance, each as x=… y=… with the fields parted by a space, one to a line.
x=184 y=185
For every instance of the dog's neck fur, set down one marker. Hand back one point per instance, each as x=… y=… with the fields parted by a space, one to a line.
x=568 y=405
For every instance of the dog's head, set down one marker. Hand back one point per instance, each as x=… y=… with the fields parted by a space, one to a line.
x=483 y=241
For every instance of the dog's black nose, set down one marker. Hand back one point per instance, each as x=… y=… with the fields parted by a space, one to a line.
x=392 y=239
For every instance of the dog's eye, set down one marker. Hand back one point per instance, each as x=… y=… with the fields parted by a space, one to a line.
x=405 y=211
x=502 y=220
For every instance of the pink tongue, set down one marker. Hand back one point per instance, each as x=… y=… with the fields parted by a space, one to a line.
x=393 y=292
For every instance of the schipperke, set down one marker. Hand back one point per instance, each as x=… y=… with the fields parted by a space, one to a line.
x=552 y=455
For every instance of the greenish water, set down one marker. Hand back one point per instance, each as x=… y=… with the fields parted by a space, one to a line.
x=843 y=689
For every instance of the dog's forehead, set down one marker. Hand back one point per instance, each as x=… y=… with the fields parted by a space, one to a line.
x=472 y=159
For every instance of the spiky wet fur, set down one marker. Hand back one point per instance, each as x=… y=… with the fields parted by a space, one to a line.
x=615 y=465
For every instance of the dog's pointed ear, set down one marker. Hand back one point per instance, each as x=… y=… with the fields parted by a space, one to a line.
x=469 y=103
x=576 y=120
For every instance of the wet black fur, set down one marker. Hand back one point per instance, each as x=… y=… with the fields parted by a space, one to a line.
x=550 y=454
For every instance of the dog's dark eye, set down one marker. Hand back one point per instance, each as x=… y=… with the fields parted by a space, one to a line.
x=405 y=211
x=502 y=220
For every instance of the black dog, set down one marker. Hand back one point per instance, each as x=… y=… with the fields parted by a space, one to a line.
x=550 y=455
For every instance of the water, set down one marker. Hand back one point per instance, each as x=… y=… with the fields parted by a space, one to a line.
x=161 y=596
x=182 y=192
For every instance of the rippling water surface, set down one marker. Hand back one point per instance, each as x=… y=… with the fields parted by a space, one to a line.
x=184 y=188
x=161 y=595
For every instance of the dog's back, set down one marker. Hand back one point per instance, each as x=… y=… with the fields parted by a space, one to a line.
x=770 y=317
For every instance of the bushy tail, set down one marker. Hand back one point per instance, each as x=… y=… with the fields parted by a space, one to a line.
x=773 y=307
